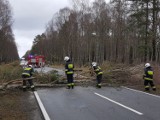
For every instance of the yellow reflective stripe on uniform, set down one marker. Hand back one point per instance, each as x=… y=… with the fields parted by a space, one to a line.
x=70 y=66
x=148 y=78
x=27 y=69
x=97 y=69
x=70 y=72
x=26 y=74
x=150 y=72
x=69 y=84
x=146 y=86
x=72 y=83
x=100 y=73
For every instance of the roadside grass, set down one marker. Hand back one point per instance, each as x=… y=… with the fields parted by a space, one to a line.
x=115 y=74
x=10 y=72
x=56 y=66
x=44 y=78
x=13 y=71
x=129 y=76
x=17 y=105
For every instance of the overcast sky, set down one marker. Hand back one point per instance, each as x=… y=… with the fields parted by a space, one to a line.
x=30 y=18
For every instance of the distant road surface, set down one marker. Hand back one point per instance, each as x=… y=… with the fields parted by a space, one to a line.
x=107 y=103
x=48 y=69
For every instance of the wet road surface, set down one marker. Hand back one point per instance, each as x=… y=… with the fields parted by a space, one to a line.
x=107 y=103
x=48 y=69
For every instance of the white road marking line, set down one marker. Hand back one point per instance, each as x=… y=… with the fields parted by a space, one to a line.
x=46 y=116
x=139 y=113
x=141 y=92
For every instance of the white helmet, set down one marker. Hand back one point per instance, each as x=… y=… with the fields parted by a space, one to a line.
x=94 y=64
x=29 y=65
x=66 y=58
x=147 y=65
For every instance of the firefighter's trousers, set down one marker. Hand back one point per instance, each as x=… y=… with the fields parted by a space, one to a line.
x=70 y=80
x=30 y=81
x=99 y=80
x=147 y=83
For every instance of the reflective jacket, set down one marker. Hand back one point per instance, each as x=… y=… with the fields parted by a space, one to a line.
x=28 y=71
x=148 y=73
x=69 y=67
x=97 y=70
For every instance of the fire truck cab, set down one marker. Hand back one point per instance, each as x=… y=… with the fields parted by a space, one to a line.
x=36 y=60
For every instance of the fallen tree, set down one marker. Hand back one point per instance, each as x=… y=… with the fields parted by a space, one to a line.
x=20 y=80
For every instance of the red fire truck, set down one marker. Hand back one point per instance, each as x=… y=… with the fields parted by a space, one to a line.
x=36 y=60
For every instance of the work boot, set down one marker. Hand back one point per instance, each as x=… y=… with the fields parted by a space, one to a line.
x=33 y=89
x=72 y=86
x=147 y=89
x=98 y=85
x=154 y=89
x=24 y=89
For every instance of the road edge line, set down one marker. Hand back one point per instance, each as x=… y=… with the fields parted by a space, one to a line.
x=128 y=108
x=45 y=114
x=141 y=92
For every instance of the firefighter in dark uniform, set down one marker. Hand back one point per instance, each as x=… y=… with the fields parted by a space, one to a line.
x=69 y=70
x=27 y=73
x=98 y=72
x=148 y=77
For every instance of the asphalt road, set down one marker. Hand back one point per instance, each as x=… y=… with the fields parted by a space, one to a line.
x=89 y=103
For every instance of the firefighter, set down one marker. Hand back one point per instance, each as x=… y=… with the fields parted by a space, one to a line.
x=69 y=70
x=148 y=77
x=98 y=72
x=27 y=73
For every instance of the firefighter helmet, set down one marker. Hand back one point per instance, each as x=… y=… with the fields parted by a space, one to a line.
x=66 y=58
x=29 y=65
x=94 y=64
x=147 y=65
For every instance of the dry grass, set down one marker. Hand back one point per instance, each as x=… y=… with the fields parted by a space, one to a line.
x=46 y=78
x=58 y=66
x=123 y=74
x=10 y=72
x=17 y=105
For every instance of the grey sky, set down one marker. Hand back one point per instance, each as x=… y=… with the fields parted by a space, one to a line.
x=30 y=18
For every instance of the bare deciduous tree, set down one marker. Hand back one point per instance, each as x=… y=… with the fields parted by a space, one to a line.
x=8 y=49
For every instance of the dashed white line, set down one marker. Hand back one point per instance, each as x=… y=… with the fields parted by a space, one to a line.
x=141 y=92
x=45 y=114
x=135 y=111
